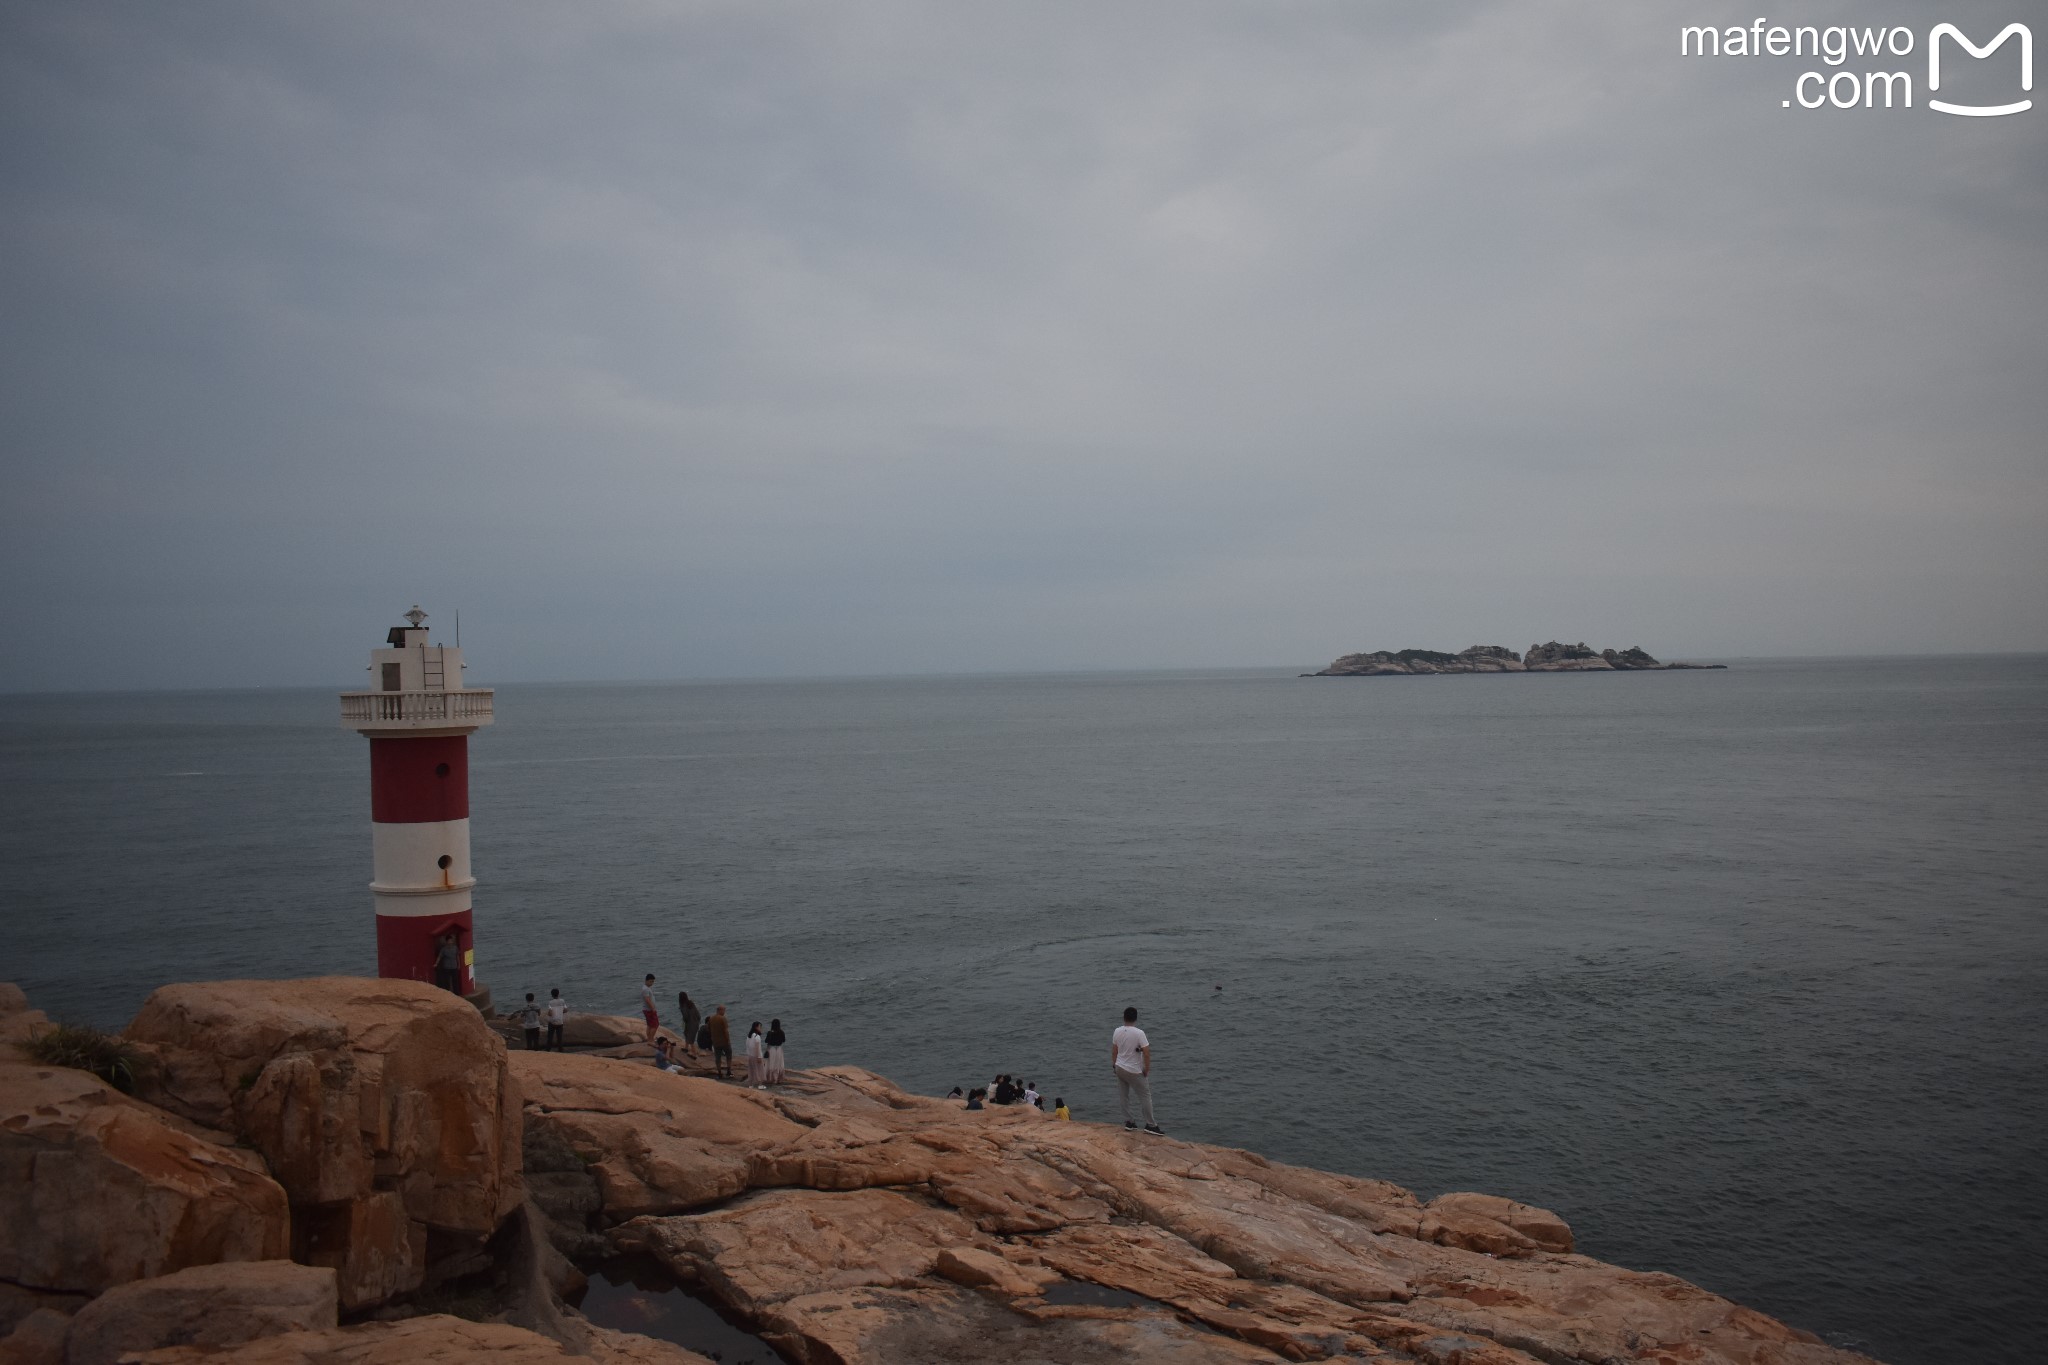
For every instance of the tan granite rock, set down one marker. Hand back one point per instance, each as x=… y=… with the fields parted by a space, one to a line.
x=431 y=1340
x=779 y=1244
x=856 y=1223
x=385 y=1108
x=929 y=1324
x=18 y=1301
x=38 y=1339
x=211 y=1305
x=17 y=1020
x=893 y=1210
x=655 y=1142
x=630 y=1348
x=978 y=1269
x=97 y=1189
x=1542 y=1227
x=603 y=1030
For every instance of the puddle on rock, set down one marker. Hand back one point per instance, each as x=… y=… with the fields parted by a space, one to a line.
x=1073 y=1292
x=639 y=1296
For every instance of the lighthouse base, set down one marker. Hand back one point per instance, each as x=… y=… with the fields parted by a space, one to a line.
x=409 y=945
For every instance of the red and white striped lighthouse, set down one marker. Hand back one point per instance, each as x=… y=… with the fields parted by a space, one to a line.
x=419 y=720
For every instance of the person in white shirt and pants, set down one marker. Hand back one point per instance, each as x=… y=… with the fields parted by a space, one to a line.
x=1130 y=1056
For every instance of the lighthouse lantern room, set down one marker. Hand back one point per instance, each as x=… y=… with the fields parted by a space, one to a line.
x=418 y=717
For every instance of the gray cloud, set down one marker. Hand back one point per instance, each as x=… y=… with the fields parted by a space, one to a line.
x=700 y=340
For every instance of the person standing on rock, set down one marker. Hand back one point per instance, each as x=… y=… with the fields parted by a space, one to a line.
x=776 y=1038
x=448 y=964
x=693 y=1018
x=558 y=1015
x=757 y=1057
x=1130 y=1056
x=529 y=1020
x=647 y=1010
x=721 y=1042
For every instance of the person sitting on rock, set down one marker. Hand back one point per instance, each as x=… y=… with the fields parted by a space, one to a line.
x=974 y=1099
x=1060 y=1110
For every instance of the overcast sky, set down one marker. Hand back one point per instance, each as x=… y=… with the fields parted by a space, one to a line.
x=695 y=340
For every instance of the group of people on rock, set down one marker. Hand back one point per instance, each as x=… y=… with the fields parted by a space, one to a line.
x=701 y=1035
x=555 y=1013
x=1130 y=1060
x=1007 y=1089
x=1130 y=1053
x=711 y=1034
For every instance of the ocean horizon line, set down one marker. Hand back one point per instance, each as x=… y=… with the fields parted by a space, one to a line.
x=1180 y=670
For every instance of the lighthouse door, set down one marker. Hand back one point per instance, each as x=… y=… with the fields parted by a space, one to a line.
x=391 y=683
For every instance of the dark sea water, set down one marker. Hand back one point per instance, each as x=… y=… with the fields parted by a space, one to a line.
x=1745 y=973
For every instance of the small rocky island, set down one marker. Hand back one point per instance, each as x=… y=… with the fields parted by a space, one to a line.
x=1550 y=658
x=352 y=1172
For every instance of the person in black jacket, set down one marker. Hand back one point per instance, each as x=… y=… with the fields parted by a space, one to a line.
x=693 y=1019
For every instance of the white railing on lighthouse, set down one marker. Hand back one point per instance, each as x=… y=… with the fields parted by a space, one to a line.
x=416 y=710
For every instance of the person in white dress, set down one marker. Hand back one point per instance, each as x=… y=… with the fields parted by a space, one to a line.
x=757 y=1056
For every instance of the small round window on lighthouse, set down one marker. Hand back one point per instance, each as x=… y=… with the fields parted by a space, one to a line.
x=440 y=770
x=443 y=861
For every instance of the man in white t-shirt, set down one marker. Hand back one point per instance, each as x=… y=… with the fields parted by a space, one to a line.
x=1130 y=1056
x=647 y=1011
x=557 y=1010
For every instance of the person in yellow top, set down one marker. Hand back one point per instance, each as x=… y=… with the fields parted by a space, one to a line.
x=1060 y=1110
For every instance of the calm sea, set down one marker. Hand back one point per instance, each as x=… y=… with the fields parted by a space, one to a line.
x=1744 y=972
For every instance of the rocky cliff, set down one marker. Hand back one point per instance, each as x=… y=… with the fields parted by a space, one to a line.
x=382 y=1136
x=1549 y=658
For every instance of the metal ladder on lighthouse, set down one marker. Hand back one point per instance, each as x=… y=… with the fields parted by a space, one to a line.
x=432 y=673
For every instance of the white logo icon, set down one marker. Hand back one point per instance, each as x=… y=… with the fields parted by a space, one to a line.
x=2026 y=37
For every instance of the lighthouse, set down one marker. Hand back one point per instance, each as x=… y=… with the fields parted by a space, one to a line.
x=419 y=718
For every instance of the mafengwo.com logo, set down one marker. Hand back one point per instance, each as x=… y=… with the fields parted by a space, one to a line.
x=1853 y=52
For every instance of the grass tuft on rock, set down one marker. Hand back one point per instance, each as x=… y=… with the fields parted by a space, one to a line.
x=85 y=1048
